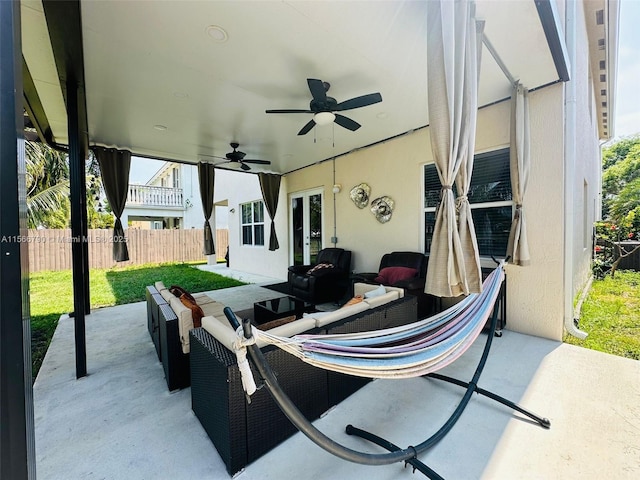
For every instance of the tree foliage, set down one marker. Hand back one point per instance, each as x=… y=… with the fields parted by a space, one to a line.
x=621 y=186
x=620 y=205
x=47 y=182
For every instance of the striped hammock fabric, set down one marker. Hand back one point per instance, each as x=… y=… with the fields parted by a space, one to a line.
x=410 y=350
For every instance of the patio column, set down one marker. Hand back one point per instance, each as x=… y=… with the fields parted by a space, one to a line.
x=452 y=46
x=78 y=201
x=17 y=443
x=270 y=186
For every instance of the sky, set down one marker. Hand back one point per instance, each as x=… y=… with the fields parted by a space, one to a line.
x=627 y=113
x=142 y=169
x=627 y=110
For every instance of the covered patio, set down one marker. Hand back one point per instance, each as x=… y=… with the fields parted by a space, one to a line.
x=180 y=81
x=121 y=422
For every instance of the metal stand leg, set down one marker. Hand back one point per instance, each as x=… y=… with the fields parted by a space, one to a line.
x=414 y=462
x=544 y=422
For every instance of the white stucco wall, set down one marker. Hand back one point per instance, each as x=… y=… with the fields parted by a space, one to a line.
x=537 y=296
x=395 y=168
x=587 y=186
x=237 y=188
x=193 y=215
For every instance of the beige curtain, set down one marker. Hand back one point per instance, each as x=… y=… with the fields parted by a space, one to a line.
x=452 y=59
x=463 y=179
x=520 y=161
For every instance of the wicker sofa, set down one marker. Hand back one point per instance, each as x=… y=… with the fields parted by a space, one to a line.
x=169 y=322
x=241 y=431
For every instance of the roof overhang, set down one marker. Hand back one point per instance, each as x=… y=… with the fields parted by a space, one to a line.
x=602 y=20
x=155 y=82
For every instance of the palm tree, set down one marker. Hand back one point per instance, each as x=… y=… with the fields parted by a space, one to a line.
x=47 y=181
x=48 y=189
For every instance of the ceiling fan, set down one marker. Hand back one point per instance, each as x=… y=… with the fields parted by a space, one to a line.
x=324 y=108
x=238 y=157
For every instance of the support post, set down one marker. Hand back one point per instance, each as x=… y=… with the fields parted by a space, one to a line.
x=77 y=155
x=17 y=444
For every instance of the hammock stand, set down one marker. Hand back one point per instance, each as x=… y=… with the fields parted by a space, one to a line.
x=396 y=454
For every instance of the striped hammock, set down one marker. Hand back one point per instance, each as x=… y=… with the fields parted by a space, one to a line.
x=410 y=350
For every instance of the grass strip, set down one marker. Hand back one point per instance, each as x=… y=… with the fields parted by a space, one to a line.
x=52 y=293
x=611 y=316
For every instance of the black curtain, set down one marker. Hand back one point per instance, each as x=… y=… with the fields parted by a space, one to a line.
x=206 y=178
x=114 y=168
x=270 y=186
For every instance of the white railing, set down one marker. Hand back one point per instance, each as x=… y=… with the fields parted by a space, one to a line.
x=146 y=195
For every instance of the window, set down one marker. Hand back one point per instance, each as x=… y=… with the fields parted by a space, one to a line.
x=175 y=174
x=253 y=223
x=490 y=198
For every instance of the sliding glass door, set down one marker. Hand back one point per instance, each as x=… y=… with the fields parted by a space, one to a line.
x=305 y=226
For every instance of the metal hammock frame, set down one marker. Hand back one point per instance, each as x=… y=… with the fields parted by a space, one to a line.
x=396 y=454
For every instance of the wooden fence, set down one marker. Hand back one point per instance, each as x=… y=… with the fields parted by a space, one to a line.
x=630 y=262
x=51 y=249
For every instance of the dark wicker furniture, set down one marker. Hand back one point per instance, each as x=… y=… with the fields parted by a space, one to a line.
x=163 y=328
x=242 y=432
x=154 y=299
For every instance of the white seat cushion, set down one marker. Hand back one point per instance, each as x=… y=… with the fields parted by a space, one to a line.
x=329 y=317
x=382 y=299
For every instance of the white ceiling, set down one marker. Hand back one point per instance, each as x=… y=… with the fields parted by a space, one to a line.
x=151 y=63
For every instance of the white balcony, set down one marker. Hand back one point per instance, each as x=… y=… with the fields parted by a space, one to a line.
x=155 y=197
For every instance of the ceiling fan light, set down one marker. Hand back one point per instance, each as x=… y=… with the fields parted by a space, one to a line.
x=324 y=118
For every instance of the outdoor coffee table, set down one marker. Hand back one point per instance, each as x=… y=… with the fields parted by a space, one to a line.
x=268 y=310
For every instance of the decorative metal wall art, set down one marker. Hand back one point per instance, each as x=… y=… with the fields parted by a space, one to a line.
x=360 y=195
x=382 y=208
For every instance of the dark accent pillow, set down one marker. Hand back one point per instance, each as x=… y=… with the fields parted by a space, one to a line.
x=196 y=311
x=276 y=323
x=179 y=291
x=391 y=275
x=320 y=266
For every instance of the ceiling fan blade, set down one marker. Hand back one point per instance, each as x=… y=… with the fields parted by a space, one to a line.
x=288 y=111
x=245 y=167
x=347 y=123
x=307 y=128
x=358 y=102
x=221 y=163
x=317 y=89
x=257 y=162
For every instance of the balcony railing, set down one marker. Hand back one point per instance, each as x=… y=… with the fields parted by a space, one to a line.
x=149 y=196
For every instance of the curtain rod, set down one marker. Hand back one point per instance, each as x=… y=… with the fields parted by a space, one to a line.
x=487 y=43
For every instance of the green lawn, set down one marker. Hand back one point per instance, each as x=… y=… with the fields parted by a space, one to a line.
x=611 y=316
x=51 y=294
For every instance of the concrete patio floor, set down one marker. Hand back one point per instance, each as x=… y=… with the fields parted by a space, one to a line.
x=120 y=422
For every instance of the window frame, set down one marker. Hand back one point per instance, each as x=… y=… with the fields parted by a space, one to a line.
x=254 y=225
x=494 y=153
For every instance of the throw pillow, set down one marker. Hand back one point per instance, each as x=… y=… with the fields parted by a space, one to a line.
x=276 y=323
x=319 y=266
x=391 y=275
x=353 y=301
x=179 y=291
x=196 y=311
x=376 y=292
